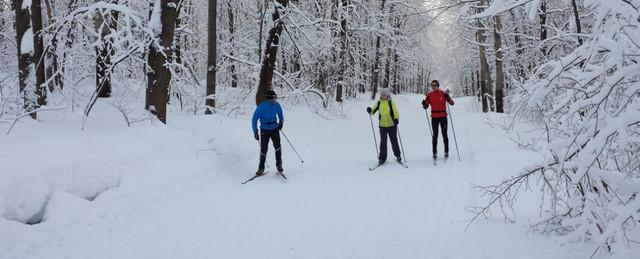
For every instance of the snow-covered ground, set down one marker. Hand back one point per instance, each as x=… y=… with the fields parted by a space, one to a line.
x=153 y=191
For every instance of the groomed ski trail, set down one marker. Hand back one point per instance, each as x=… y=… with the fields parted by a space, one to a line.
x=332 y=206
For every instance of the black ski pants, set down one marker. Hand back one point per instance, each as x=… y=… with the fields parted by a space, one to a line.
x=443 y=126
x=274 y=136
x=392 y=133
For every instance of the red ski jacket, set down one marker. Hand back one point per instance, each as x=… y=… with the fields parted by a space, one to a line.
x=437 y=100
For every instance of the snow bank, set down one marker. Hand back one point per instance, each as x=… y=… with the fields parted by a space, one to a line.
x=26 y=193
x=64 y=208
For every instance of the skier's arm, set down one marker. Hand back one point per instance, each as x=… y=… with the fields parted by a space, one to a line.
x=254 y=120
x=376 y=105
x=448 y=97
x=280 y=115
x=425 y=102
x=396 y=114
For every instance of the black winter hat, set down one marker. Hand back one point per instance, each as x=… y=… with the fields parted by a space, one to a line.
x=271 y=94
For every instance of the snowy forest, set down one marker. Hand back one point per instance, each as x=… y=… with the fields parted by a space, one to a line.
x=105 y=100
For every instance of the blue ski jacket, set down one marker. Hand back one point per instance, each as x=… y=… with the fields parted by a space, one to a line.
x=269 y=113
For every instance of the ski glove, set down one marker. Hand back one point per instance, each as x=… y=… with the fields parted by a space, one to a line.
x=369 y=110
x=280 y=126
x=255 y=135
x=425 y=105
x=396 y=122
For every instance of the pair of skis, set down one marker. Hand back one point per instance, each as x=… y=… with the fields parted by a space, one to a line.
x=378 y=165
x=281 y=174
x=405 y=165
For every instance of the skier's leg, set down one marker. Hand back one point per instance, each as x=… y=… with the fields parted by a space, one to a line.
x=264 y=145
x=443 y=125
x=434 y=139
x=393 y=136
x=383 y=145
x=275 y=137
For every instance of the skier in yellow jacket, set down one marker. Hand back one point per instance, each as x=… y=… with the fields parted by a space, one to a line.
x=388 y=117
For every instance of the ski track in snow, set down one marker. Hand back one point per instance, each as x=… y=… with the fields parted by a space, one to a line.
x=185 y=200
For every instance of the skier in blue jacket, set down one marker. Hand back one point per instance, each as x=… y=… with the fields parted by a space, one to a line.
x=269 y=113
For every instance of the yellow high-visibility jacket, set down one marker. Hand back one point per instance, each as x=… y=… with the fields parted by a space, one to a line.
x=388 y=112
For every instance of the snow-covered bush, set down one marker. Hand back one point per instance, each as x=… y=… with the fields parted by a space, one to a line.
x=588 y=107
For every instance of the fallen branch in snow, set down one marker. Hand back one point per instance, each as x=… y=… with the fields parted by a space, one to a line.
x=29 y=113
x=503 y=193
x=123 y=111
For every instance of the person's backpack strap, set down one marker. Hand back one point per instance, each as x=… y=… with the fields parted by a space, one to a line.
x=391 y=110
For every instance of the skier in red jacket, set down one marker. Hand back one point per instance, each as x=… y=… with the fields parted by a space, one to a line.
x=437 y=98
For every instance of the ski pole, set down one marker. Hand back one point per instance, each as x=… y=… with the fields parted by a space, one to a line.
x=428 y=121
x=401 y=146
x=375 y=141
x=430 y=124
x=294 y=149
x=454 y=132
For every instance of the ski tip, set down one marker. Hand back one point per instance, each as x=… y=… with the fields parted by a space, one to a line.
x=284 y=177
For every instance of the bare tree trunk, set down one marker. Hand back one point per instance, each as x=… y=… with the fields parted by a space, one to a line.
x=396 y=87
x=271 y=52
x=519 y=50
x=107 y=25
x=376 y=64
x=296 y=61
x=543 y=26
x=363 y=54
x=178 y=36
x=52 y=53
x=387 y=71
x=485 y=77
x=386 y=79
x=283 y=62
x=576 y=16
x=68 y=44
x=472 y=91
x=25 y=59
x=38 y=52
x=478 y=86
x=178 y=41
x=374 y=69
x=159 y=57
x=234 y=76
x=211 y=57
x=497 y=39
x=342 y=4
x=148 y=100
x=263 y=14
